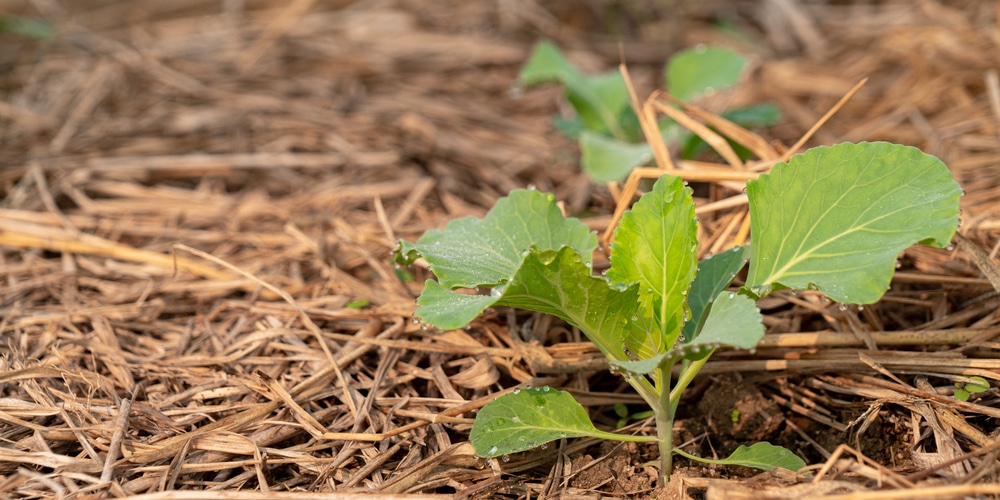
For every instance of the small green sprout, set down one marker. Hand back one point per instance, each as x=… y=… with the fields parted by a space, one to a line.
x=624 y=416
x=964 y=390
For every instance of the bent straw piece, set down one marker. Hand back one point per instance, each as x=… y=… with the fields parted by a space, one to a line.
x=717 y=142
x=755 y=143
x=829 y=114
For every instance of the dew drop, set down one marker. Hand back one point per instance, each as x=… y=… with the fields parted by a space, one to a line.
x=492 y=450
x=517 y=391
x=635 y=317
x=515 y=419
x=732 y=295
x=415 y=320
x=521 y=439
x=546 y=388
x=842 y=307
x=545 y=446
x=899 y=264
x=505 y=458
x=684 y=292
x=950 y=248
x=532 y=187
x=861 y=307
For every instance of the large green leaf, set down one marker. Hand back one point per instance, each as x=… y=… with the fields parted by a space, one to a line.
x=473 y=252
x=655 y=247
x=556 y=282
x=693 y=72
x=559 y=283
x=835 y=218
x=601 y=100
x=609 y=160
x=527 y=418
x=714 y=275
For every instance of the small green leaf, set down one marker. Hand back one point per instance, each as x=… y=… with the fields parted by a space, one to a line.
x=765 y=456
x=762 y=455
x=524 y=419
x=835 y=218
x=714 y=275
x=693 y=72
x=599 y=100
x=609 y=160
x=980 y=385
x=357 y=304
x=655 y=247
x=732 y=320
x=961 y=394
x=473 y=252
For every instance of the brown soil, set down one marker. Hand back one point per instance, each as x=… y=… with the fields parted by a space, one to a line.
x=198 y=203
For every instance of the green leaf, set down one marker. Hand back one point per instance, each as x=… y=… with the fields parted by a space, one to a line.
x=357 y=304
x=732 y=320
x=473 y=252
x=714 y=275
x=835 y=218
x=600 y=100
x=980 y=385
x=552 y=282
x=447 y=309
x=763 y=455
x=609 y=160
x=961 y=394
x=693 y=72
x=524 y=419
x=560 y=283
x=655 y=247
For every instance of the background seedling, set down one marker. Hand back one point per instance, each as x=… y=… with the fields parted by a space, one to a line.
x=606 y=126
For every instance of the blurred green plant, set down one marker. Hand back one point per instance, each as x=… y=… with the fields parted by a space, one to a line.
x=26 y=26
x=607 y=128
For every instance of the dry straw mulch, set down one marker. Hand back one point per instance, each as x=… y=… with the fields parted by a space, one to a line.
x=199 y=200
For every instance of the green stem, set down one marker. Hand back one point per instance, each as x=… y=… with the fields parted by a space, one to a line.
x=665 y=425
x=689 y=370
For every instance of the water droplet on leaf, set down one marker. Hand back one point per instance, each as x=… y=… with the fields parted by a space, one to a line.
x=505 y=458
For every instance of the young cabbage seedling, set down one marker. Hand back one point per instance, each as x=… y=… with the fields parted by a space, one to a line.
x=832 y=219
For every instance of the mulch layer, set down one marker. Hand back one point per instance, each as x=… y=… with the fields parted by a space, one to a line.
x=199 y=201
